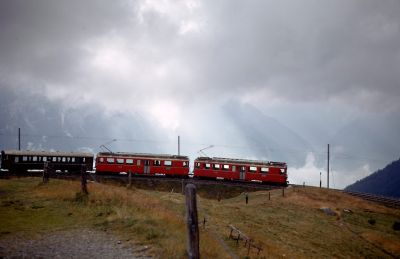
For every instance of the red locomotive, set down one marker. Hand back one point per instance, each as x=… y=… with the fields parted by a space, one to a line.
x=145 y=164
x=240 y=169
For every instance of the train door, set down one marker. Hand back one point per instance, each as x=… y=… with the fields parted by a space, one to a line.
x=146 y=166
x=242 y=173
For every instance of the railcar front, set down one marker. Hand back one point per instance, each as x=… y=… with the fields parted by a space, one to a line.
x=19 y=161
x=142 y=164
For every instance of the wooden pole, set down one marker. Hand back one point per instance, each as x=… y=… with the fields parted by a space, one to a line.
x=130 y=179
x=192 y=224
x=283 y=192
x=19 y=138
x=179 y=145
x=269 y=196
x=327 y=169
x=83 y=180
x=46 y=172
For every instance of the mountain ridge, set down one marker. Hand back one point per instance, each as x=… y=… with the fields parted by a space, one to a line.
x=383 y=182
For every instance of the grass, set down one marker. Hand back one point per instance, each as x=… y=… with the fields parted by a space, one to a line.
x=292 y=226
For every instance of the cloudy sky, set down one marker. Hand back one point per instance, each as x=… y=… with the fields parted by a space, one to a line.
x=275 y=80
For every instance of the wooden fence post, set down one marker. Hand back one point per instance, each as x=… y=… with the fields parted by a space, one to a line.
x=283 y=192
x=46 y=172
x=192 y=224
x=129 y=179
x=269 y=196
x=83 y=180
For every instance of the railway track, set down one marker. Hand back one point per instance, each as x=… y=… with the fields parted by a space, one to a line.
x=389 y=202
x=124 y=179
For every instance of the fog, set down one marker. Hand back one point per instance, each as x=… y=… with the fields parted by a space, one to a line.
x=259 y=79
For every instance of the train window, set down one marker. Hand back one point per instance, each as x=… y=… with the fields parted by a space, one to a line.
x=101 y=159
x=208 y=165
x=168 y=163
x=16 y=159
x=282 y=171
x=24 y=158
x=45 y=159
x=138 y=162
x=129 y=161
x=225 y=167
x=157 y=162
x=54 y=159
x=84 y=160
x=253 y=169
x=216 y=166
x=110 y=160
x=185 y=163
x=264 y=169
x=120 y=160
x=72 y=159
x=40 y=158
x=197 y=165
x=68 y=159
x=34 y=159
x=63 y=159
x=233 y=168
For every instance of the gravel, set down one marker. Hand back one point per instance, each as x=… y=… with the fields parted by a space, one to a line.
x=85 y=243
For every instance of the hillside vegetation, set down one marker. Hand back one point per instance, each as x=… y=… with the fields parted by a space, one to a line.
x=292 y=226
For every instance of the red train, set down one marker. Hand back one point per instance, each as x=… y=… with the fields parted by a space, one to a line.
x=149 y=164
x=240 y=169
x=146 y=164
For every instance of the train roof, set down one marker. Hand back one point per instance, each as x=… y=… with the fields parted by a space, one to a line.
x=46 y=153
x=127 y=154
x=240 y=161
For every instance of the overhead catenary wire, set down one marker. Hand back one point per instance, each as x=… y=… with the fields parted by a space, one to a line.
x=290 y=150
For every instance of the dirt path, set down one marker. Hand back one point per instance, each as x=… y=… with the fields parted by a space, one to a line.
x=69 y=244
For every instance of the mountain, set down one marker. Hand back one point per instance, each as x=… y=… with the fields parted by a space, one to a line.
x=48 y=125
x=384 y=182
x=268 y=137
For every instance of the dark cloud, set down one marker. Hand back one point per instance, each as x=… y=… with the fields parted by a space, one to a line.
x=243 y=70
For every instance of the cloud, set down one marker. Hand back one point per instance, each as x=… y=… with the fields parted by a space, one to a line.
x=310 y=174
x=298 y=52
x=314 y=68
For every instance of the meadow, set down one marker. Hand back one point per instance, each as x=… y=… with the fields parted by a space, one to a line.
x=292 y=226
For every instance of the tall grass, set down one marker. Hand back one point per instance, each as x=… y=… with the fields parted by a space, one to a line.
x=292 y=226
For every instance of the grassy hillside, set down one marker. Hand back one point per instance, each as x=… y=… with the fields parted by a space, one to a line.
x=292 y=226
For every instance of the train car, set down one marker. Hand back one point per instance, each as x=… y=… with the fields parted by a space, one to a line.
x=142 y=164
x=21 y=161
x=241 y=169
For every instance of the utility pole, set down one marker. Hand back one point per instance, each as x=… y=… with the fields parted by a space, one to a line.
x=179 y=145
x=19 y=138
x=327 y=169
